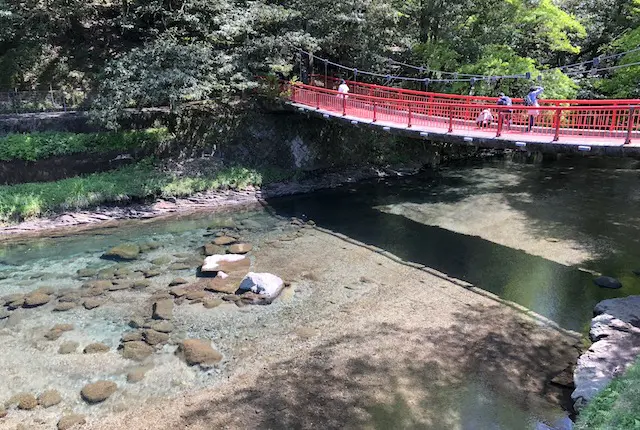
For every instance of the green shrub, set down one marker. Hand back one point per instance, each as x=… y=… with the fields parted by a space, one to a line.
x=37 y=146
x=139 y=181
x=617 y=407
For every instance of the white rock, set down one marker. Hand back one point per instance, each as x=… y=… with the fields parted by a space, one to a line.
x=265 y=284
x=212 y=263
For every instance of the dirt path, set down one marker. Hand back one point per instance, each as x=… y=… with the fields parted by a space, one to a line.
x=367 y=342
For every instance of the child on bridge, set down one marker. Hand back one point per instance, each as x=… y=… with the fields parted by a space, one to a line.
x=485 y=118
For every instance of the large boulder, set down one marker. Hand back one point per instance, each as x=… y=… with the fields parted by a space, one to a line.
x=126 y=251
x=225 y=263
x=98 y=391
x=615 y=331
x=264 y=284
x=198 y=352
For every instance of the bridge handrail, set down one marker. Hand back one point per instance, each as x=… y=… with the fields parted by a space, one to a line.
x=556 y=102
x=466 y=105
x=576 y=121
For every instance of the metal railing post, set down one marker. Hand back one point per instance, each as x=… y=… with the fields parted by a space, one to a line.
x=317 y=100
x=375 y=111
x=556 y=120
x=409 y=117
x=293 y=93
x=450 y=119
x=632 y=110
x=500 y=121
x=344 y=105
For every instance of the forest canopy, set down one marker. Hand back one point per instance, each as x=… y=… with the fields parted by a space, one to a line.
x=150 y=52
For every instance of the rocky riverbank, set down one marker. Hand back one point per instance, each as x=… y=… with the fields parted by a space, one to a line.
x=58 y=224
x=615 y=332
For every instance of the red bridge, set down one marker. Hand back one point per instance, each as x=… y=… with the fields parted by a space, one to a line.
x=599 y=126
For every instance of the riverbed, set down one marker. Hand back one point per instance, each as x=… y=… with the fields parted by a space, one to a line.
x=357 y=339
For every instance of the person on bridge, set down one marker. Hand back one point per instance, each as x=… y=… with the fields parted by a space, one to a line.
x=343 y=88
x=485 y=118
x=504 y=100
x=531 y=99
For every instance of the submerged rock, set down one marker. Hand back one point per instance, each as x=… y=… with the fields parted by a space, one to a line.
x=224 y=240
x=607 y=282
x=178 y=281
x=49 y=398
x=98 y=391
x=4 y=314
x=92 y=303
x=198 y=352
x=265 y=284
x=68 y=347
x=136 y=375
x=240 y=248
x=161 y=261
x=153 y=337
x=25 y=401
x=96 y=348
x=163 y=309
x=162 y=326
x=36 y=299
x=64 y=306
x=132 y=336
x=136 y=350
x=69 y=421
x=3 y=412
x=212 y=249
x=126 y=251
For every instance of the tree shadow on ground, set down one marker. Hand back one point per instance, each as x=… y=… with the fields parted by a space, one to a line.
x=489 y=369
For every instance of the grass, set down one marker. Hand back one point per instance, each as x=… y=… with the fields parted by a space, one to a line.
x=617 y=407
x=136 y=182
x=37 y=146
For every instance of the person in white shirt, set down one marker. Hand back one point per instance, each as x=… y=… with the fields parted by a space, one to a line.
x=485 y=118
x=343 y=88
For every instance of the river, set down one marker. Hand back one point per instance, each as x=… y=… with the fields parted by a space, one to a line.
x=531 y=233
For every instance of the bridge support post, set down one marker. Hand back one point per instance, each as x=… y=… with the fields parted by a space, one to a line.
x=317 y=100
x=556 y=125
x=500 y=123
x=450 y=120
x=409 y=117
x=632 y=110
x=344 y=105
x=375 y=111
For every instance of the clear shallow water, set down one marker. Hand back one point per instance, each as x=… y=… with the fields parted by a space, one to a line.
x=587 y=202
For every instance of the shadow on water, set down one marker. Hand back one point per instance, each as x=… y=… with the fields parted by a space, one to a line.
x=564 y=294
x=387 y=376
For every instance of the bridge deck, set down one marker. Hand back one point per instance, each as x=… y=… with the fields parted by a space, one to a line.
x=587 y=129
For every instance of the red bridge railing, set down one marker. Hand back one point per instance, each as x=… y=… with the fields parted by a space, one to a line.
x=374 y=90
x=613 y=123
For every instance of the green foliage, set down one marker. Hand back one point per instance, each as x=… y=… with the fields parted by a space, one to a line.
x=624 y=83
x=617 y=407
x=36 y=146
x=136 y=182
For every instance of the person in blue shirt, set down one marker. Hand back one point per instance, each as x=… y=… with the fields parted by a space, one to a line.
x=504 y=100
x=531 y=99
